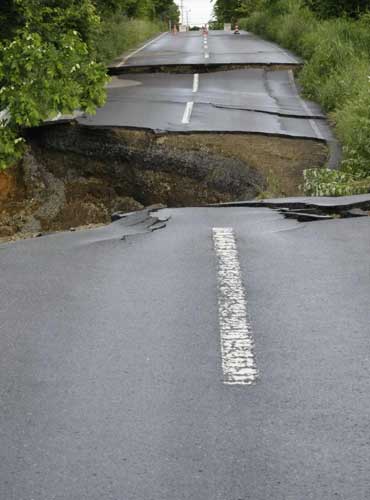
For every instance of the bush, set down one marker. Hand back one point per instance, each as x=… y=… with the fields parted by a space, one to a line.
x=325 y=182
x=119 y=34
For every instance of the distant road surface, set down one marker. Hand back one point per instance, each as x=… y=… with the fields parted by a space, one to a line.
x=218 y=47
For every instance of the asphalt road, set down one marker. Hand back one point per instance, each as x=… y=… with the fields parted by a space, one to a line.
x=111 y=372
x=222 y=48
x=223 y=357
x=249 y=100
x=254 y=100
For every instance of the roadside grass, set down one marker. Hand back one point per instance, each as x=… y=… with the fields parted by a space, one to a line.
x=336 y=74
x=120 y=34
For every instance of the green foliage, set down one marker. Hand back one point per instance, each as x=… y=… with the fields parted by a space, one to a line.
x=339 y=8
x=353 y=127
x=325 y=182
x=42 y=79
x=162 y=10
x=46 y=68
x=11 y=146
x=226 y=11
x=118 y=34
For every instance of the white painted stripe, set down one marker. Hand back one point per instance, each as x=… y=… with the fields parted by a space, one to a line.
x=188 y=112
x=123 y=62
x=237 y=346
x=196 y=83
x=312 y=122
x=206 y=55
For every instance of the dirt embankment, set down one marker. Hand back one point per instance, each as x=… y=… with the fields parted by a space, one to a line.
x=74 y=175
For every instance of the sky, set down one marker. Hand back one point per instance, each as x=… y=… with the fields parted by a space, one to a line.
x=200 y=10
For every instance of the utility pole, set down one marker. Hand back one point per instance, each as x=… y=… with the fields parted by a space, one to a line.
x=182 y=12
x=187 y=18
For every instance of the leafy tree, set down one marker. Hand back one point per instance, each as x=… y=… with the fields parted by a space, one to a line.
x=230 y=10
x=166 y=10
x=45 y=66
x=247 y=7
x=10 y=19
x=226 y=10
x=152 y=9
x=47 y=61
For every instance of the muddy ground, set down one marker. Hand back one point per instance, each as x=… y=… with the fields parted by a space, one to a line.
x=73 y=175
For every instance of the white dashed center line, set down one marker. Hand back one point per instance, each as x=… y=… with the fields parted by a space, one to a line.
x=190 y=105
x=196 y=83
x=206 y=52
x=238 y=362
x=188 y=112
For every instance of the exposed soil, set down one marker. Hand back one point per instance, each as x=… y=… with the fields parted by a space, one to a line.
x=199 y=68
x=74 y=175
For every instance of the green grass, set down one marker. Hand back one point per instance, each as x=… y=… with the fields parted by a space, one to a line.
x=120 y=34
x=335 y=74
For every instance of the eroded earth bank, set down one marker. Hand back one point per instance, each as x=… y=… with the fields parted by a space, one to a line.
x=185 y=139
x=74 y=175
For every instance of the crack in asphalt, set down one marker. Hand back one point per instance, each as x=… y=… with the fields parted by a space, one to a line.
x=267 y=112
x=303 y=210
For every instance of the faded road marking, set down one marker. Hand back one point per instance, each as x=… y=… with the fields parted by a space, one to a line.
x=187 y=113
x=238 y=362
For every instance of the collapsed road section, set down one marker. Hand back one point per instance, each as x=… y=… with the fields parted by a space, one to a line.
x=176 y=139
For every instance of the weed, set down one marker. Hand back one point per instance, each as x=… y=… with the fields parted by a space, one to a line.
x=119 y=34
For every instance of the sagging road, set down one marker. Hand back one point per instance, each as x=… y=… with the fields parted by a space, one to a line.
x=254 y=100
x=247 y=101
